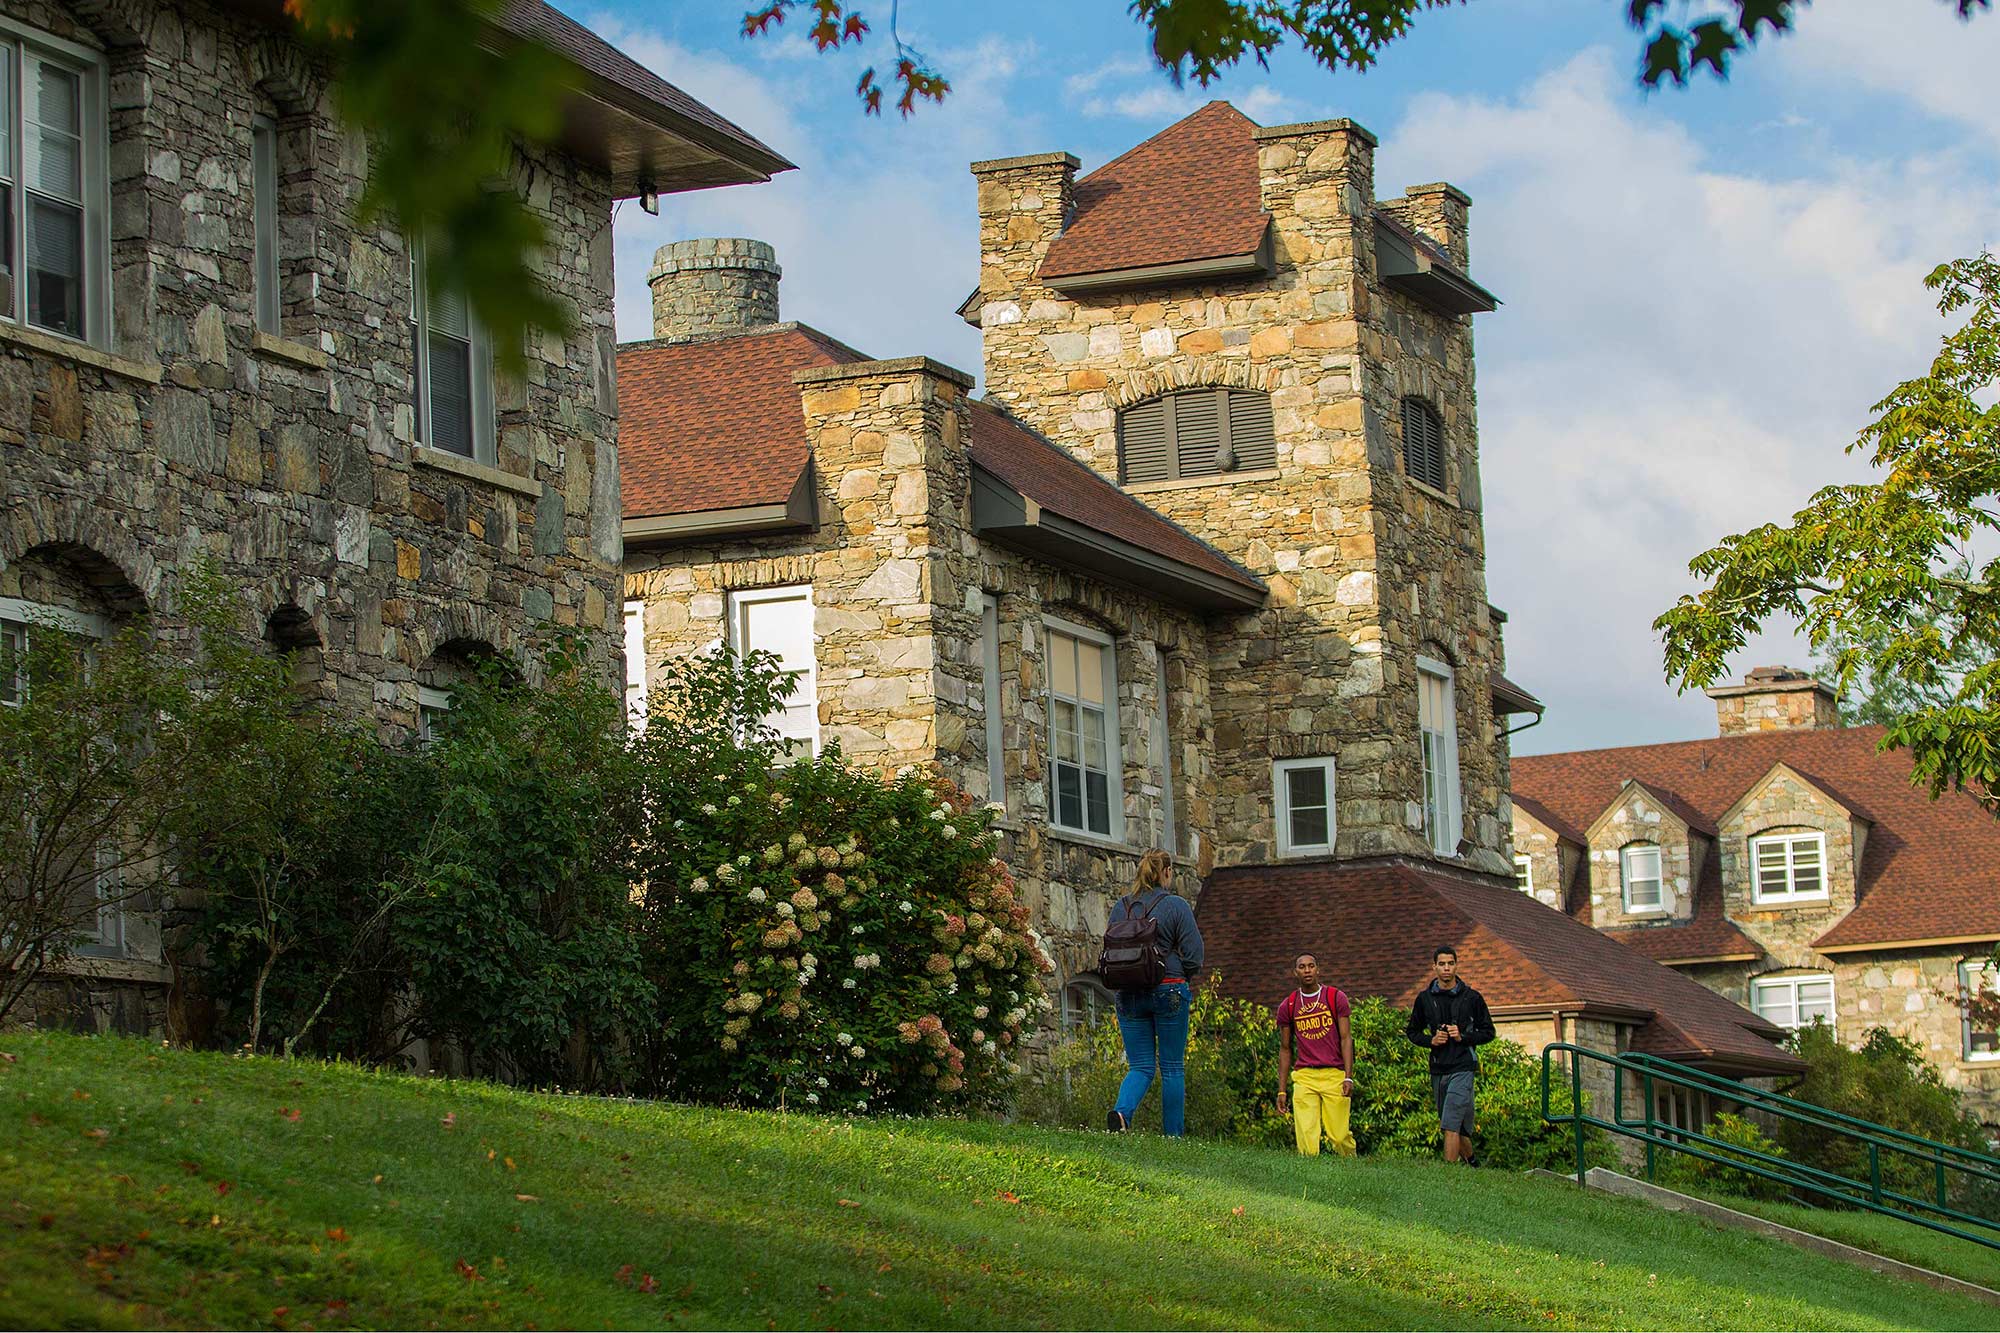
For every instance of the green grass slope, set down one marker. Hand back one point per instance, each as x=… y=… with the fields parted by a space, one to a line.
x=141 y=1186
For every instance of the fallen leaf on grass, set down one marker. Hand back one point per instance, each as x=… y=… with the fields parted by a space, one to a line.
x=37 y=1119
x=882 y=1268
x=290 y=1113
x=509 y=1161
x=336 y=1234
x=527 y=1198
x=46 y=1220
x=337 y=1305
x=192 y=1168
x=79 y=1095
x=281 y=1311
x=1008 y=1196
x=99 y=1134
x=1237 y=1211
x=847 y=1203
x=648 y=1285
x=7 y=1056
x=450 y=1119
x=222 y=1188
x=468 y=1271
x=623 y=1275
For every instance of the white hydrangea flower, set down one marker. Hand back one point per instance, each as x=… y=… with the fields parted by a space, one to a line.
x=821 y=1080
x=854 y=930
x=979 y=1011
x=785 y=909
x=857 y=1053
x=991 y=1048
x=808 y=962
x=700 y=884
x=844 y=1038
x=743 y=860
x=813 y=1097
x=708 y=809
x=904 y=906
x=736 y=800
x=847 y=984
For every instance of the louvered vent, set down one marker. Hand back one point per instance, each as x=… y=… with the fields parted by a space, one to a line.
x=1196 y=433
x=1423 y=443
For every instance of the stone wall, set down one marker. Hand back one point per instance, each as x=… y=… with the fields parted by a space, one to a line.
x=289 y=461
x=1640 y=817
x=1366 y=570
x=1550 y=857
x=1915 y=994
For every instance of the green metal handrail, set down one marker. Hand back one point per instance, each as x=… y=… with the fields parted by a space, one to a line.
x=1649 y=1072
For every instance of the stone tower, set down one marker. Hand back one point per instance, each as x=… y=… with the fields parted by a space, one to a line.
x=716 y=285
x=1223 y=254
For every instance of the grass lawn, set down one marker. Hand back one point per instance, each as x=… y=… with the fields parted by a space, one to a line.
x=1884 y=1235
x=141 y=1186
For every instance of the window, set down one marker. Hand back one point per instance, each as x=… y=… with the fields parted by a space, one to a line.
x=100 y=915
x=1163 y=745
x=1083 y=736
x=1524 y=874
x=1085 y=1003
x=432 y=705
x=264 y=208
x=635 y=663
x=1639 y=871
x=54 y=253
x=1794 y=1002
x=13 y=662
x=989 y=645
x=1978 y=982
x=779 y=621
x=1302 y=797
x=1437 y=726
x=1788 y=867
x=19 y=621
x=454 y=370
x=1423 y=443
x=1196 y=433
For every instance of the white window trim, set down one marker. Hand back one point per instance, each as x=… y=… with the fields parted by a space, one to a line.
x=15 y=38
x=61 y=618
x=1524 y=868
x=484 y=419
x=1789 y=895
x=1975 y=974
x=1665 y=903
x=1281 y=803
x=636 y=685
x=1163 y=744
x=1450 y=831
x=808 y=682
x=1114 y=757
x=430 y=699
x=989 y=646
x=1761 y=985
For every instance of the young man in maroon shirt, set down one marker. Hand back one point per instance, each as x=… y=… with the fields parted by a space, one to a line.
x=1320 y=1077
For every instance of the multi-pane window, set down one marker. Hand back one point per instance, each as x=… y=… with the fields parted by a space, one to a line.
x=13 y=662
x=20 y=621
x=1437 y=730
x=1085 y=1003
x=635 y=662
x=432 y=705
x=53 y=265
x=1979 y=997
x=454 y=376
x=1196 y=433
x=779 y=621
x=1794 y=1002
x=1639 y=869
x=1083 y=734
x=989 y=660
x=1423 y=443
x=1304 y=795
x=1788 y=866
x=1163 y=745
x=1524 y=874
x=264 y=209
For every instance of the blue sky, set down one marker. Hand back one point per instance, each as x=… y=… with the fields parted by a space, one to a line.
x=1705 y=289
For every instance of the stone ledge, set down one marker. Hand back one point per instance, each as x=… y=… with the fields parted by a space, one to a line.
x=1304 y=127
x=1070 y=160
x=1056 y=834
x=82 y=354
x=82 y=967
x=276 y=348
x=1442 y=497
x=1445 y=188
x=440 y=461
x=868 y=370
x=1193 y=483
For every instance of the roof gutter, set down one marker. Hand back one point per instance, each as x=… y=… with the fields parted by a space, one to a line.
x=1932 y=943
x=1259 y=263
x=798 y=513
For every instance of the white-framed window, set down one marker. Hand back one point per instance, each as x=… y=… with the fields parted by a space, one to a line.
x=264 y=275
x=1085 y=1002
x=19 y=621
x=1085 y=788
x=1524 y=874
x=635 y=663
x=55 y=256
x=100 y=917
x=1437 y=728
x=1794 y=1002
x=989 y=667
x=432 y=705
x=779 y=621
x=1639 y=874
x=453 y=376
x=1788 y=867
x=1977 y=979
x=1303 y=797
x=1163 y=745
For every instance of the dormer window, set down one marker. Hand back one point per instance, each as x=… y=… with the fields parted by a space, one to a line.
x=1639 y=868
x=1788 y=868
x=1423 y=443
x=1196 y=433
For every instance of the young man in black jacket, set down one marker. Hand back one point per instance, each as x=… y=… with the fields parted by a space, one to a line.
x=1451 y=1019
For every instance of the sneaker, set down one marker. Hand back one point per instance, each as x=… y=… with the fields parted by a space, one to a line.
x=1472 y=1161
x=1114 y=1122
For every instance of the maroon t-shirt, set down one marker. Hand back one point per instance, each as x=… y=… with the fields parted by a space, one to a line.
x=1316 y=1035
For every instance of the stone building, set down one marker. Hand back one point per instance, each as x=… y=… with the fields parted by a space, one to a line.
x=203 y=354
x=1202 y=569
x=1787 y=864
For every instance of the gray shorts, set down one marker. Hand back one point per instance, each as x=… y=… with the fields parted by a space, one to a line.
x=1453 y=1095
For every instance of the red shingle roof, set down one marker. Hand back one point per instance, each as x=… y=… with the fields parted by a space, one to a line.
x=1190 y=192
x=1705 y=934
x=1374 y=924
x=716 y=424
x=1930 y=870
x=1058 y=483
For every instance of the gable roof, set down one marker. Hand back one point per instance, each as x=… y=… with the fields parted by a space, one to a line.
x=1706 y=936
x=1373 y=925
x=1930 y=869
x=1660 y=796
x=1189 y=193
x=716 y=423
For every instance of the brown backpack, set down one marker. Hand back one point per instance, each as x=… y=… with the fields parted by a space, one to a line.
x=1134 y=957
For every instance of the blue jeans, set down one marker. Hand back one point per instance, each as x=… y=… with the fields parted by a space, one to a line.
x=1155 y=1021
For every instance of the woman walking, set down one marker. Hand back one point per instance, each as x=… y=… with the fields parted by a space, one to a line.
x=1153 y=1021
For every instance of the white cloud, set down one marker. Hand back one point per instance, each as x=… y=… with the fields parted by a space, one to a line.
x=1685 y=352
x=1922 y=54
x=1140 y=90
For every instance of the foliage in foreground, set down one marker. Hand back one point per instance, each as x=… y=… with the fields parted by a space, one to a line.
x=1697 y=1175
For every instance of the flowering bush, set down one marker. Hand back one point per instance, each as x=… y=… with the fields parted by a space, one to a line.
x=817 y=935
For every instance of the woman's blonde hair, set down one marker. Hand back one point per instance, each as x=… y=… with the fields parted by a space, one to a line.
x=1155 y=869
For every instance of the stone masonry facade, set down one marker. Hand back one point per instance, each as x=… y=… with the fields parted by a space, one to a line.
x=290 y=461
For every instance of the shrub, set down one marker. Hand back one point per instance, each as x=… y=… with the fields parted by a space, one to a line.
x=1696 y=1175
x=818 y=935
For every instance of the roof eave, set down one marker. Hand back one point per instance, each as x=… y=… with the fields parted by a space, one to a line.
x=1259 y=262
x=1001 y=512
x=1512 y=699
x=798 y=512
x=1410 y=269
x=1933 y=942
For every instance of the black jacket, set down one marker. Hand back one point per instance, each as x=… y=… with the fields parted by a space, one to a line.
x=1437 y=1008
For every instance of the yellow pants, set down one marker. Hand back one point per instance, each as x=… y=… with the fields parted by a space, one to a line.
x=1318 y=1106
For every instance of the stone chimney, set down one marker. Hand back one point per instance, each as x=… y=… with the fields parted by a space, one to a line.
x=1775 y=698
x=712 y=287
